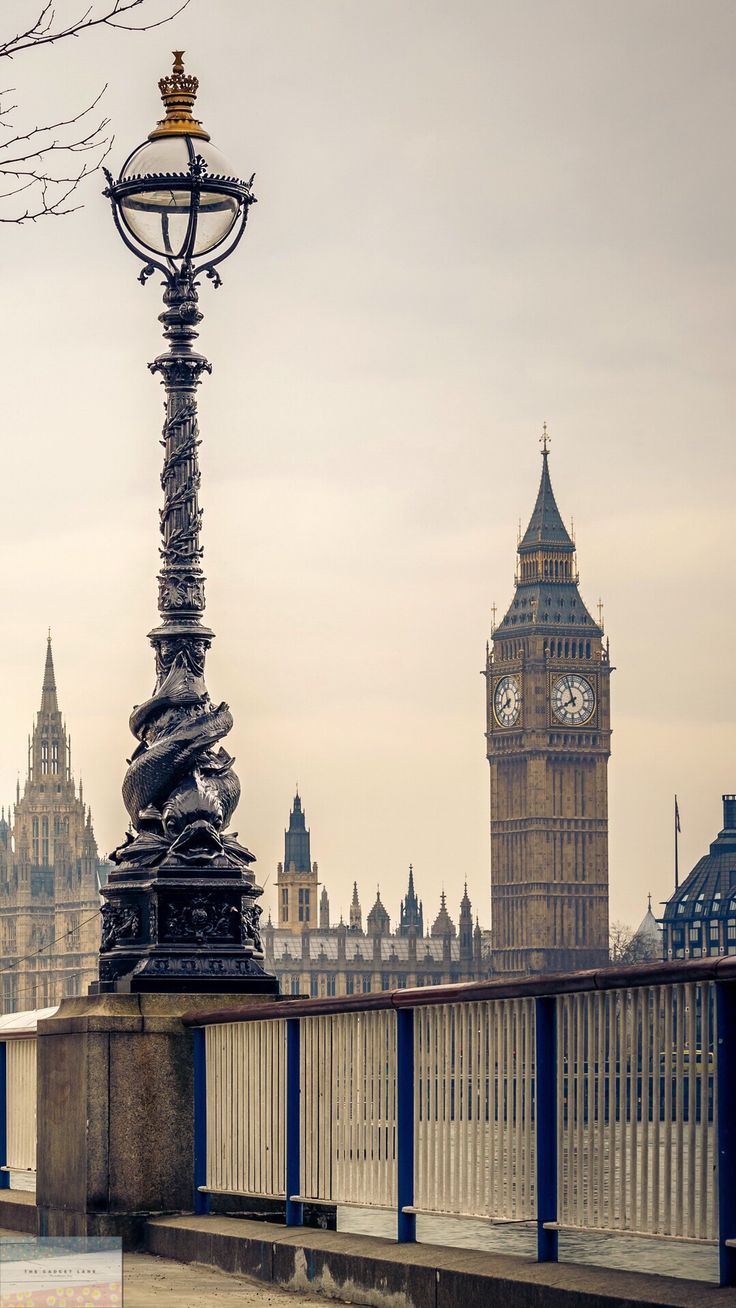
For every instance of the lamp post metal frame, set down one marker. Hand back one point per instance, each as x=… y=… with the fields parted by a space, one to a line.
x=181 y=909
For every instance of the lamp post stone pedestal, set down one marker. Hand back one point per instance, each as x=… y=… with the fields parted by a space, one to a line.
x=115 y=1095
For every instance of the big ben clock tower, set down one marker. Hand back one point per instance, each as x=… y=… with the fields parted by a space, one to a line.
x=548 y=733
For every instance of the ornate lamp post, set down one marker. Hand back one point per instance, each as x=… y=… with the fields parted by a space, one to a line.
x=181 y=909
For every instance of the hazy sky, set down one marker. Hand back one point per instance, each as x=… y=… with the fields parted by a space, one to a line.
x=471 y=217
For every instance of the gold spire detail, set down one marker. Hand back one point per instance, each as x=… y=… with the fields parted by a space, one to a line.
x=178 y=92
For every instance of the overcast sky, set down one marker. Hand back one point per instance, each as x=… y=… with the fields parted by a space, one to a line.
x=472 y=217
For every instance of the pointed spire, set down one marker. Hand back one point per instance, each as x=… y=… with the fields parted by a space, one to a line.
x=297 y=845
x=545 y=525
x=324 y=910
x=411 y=917
x=443 y=924
x=378 y=921
x=356 y=916
x=49 y=703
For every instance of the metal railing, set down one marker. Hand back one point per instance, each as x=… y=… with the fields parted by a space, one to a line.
x=597 y=1101
x=474 y=1129
x=18 y=1098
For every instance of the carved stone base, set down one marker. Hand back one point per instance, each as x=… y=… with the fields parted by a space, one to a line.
x=175 y=973
x=182 y=929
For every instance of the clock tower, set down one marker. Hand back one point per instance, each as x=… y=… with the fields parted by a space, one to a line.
x=548 y=744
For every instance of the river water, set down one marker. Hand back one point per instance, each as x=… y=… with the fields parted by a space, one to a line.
x=627 y=1252
x=668 y=1257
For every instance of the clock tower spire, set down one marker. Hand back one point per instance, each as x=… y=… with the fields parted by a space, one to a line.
x=548 y=743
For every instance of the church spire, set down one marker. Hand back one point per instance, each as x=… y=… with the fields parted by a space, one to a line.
x=49 y=750
x=356 y=915
x=547 y=594
x=296 y=839
x=545 y=525
x=49 y=703
x=443 y=924
x=411 y=913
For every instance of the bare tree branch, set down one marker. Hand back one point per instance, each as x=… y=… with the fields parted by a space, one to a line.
x=627 y=947
x=43 y=32
x=38 y=162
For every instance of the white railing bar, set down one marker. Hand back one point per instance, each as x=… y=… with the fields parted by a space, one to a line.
x=412 y=1210
x=628 y=1231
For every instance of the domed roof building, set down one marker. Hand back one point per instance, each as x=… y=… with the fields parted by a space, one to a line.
x=646 y=944
x=700 y=918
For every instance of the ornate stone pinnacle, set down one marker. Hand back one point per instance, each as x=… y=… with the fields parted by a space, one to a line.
x=178 y=92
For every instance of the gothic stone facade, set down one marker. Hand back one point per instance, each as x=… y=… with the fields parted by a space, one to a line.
x=49 y=874
x=311 y=957
x=548 y=744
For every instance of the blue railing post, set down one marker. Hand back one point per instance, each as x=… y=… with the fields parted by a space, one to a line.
x=406 y=1222
x=201 y=1202
x=726 y=1128
x=546 y=1118
x=5 y=1175
x=294 y=1210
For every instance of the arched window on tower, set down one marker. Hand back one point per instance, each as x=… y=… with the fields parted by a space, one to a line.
x=45 y=841
x=35 y=840
x=44 y=756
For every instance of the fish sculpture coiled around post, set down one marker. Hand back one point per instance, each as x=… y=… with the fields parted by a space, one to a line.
x=180 y=789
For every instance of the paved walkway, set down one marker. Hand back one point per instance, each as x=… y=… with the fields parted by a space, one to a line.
x=150 y=1282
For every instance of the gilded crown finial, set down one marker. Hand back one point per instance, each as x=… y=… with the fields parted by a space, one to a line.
x=178 y=92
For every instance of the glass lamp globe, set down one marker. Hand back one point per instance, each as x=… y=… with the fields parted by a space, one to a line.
x=169 y=204
x=159 y=216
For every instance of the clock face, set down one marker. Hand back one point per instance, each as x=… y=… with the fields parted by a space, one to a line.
x=507 y=701
x=573 y=699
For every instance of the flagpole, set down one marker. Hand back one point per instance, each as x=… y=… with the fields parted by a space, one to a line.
x=677 y=843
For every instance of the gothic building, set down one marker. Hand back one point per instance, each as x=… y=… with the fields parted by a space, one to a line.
x=700 y=918
x=49 y=873
x=312 y=957
x=296 y=877
x=548 y=743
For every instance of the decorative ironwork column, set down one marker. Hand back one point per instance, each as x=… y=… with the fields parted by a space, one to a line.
x=181 y=910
